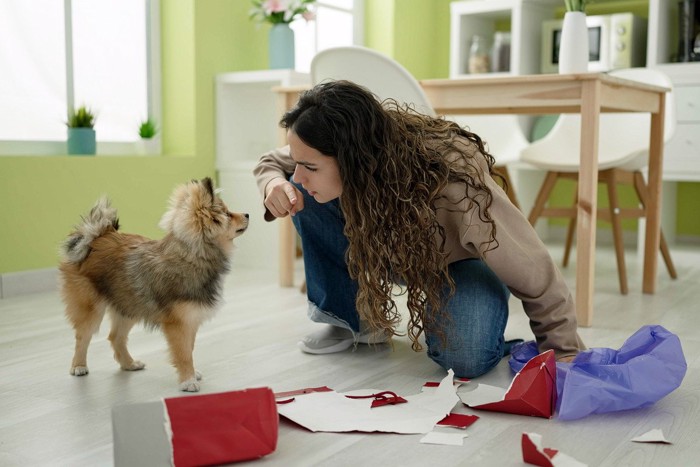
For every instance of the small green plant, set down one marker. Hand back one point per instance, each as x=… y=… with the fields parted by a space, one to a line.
x=576 y=5
x=81 y=118
x=148 y=129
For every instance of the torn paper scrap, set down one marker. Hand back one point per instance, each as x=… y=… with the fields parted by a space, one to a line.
x=448 y=439
x=535 y=454
x=652 y=436
x=533 y=390
x=458 y=420
x=482 y=394
x=333 y=412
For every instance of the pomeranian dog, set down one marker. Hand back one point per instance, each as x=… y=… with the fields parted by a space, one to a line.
x=172 y=284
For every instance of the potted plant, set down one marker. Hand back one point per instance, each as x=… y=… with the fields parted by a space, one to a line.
x=81 y=132
x=573 y=47
x=280 y=13
x=147 y=132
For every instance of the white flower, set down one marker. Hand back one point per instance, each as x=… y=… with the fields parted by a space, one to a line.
x=282 y=11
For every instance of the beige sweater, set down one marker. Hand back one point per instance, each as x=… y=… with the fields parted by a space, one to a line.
x=521 y=260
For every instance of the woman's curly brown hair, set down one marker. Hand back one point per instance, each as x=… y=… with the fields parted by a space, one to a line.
x=393 y=169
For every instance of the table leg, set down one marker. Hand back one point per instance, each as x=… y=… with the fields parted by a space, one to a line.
x=587 y=202
x=653 y=215
x=287 y=251
x=288 y=240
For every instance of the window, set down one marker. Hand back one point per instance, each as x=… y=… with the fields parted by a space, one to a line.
x=338 y=23
x=102 y=54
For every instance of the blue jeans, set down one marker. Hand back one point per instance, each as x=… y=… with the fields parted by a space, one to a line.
x=478 y=310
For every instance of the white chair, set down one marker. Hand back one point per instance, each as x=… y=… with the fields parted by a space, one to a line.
x=622 y=155
x=380 y=74
x=504 y=140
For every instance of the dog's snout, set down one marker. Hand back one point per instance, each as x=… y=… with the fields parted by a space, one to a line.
x=246 y=215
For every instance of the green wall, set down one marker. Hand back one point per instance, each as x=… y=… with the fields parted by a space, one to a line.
x=416 y=33
x=43 y=196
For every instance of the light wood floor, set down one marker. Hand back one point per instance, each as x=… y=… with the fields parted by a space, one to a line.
x=48 y=417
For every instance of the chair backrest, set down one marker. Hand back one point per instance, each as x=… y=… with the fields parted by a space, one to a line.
x=623 y=137
x=380 y=74
x=502 y=134
x=387 y=78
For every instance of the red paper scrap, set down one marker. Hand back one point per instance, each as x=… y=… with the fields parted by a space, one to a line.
x=535 y=454
x=382 y=398
x=457 y=420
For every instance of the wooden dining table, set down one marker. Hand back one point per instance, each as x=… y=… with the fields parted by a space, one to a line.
x=589 y=94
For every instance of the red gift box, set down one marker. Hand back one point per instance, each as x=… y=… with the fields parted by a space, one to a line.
x=205 y=429
x=533 y=390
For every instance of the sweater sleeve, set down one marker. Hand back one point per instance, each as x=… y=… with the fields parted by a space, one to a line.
x=521 y=260
x=273 y=164
x=524 y=264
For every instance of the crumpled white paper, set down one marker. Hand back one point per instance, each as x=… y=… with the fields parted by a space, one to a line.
x=332 y=411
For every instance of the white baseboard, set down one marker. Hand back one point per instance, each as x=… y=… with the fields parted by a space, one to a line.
x=13 y=284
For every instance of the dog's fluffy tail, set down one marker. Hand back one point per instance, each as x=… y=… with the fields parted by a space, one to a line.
x=101 y=219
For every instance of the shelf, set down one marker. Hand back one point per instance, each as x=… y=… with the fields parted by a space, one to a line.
x=246 y=116
x=483 y=17
x=525 y=17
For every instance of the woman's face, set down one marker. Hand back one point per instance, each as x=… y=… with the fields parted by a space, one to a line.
x=318 y=174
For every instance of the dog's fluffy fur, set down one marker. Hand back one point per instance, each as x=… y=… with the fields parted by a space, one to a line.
x=172 y=284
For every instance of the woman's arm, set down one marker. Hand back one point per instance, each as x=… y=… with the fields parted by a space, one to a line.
x=524 y=264
x=272 y=173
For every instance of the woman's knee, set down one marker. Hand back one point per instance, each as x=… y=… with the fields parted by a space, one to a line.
x=468 y=362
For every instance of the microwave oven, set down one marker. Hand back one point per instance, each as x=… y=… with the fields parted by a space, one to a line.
x=614 y=41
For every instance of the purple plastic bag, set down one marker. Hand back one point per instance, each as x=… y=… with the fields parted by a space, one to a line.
x=648 y=366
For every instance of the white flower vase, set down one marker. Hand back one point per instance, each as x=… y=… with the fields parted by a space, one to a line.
x=573 y=47
x=281 y=43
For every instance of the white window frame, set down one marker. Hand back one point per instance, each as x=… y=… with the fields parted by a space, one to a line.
x=358 y=18
x=153 y=92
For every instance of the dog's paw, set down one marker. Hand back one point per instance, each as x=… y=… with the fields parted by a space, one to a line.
x=79 y=371
x=134 y=366
x=190 y=385
x=198 y=375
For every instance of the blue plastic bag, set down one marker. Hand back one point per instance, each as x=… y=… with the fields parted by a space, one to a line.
x=648 y=366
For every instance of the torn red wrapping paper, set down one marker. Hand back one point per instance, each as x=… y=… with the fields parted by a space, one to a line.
x=535 y=454
x=457 y=420
x=532 y=392
x=335 y=412
x=222 y=428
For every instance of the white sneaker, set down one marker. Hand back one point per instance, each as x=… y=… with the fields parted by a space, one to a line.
x=332 y=339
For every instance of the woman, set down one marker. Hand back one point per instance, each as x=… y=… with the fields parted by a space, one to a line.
x=383 y=197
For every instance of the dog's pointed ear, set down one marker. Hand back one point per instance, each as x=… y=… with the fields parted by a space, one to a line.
x=209 y=185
